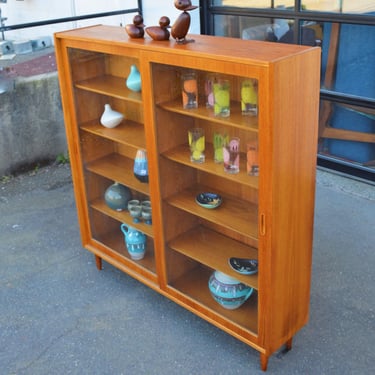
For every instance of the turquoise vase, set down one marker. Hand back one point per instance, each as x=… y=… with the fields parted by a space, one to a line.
x=133 y=82
x=135 y=242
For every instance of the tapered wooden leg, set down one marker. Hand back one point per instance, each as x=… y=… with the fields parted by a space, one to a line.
x=98 y=262
x=263 y=361
x=289 y=343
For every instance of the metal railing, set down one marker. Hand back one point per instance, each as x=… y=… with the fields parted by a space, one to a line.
x=4 y=28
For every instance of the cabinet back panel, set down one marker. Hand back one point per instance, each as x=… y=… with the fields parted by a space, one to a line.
x=101 y=224
x=89 y=106
x=130 y=110
x=127 y=151
x=86 y=64
x=177 y=222
x=177 y=177
x=119 y=66
x=168 y=125
x=178 y=265
x=231 y=234
x=166 y=82
x=96 y=186
x=221 y=185
x=94 y=147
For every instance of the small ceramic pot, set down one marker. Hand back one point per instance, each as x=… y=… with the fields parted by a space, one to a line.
x=227 y=291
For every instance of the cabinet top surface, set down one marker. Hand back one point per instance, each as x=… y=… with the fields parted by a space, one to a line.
x=231 y=49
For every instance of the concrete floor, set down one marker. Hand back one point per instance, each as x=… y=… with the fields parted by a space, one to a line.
x=59 y=315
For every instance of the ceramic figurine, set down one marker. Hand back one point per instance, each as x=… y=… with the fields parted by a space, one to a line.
x=133 y=82
x=181 y=26
x=160 y=32
x=227 y=291
x=141 y=166
x=136 y=29
x=110 y=118
x=117 y=197
x=135 y=242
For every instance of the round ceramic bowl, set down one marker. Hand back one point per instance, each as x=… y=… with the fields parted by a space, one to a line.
x=208 y=200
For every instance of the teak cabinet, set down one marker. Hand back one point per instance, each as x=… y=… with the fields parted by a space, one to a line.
x=268 y=217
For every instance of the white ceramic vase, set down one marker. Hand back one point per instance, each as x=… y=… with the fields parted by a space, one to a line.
x=110 y=118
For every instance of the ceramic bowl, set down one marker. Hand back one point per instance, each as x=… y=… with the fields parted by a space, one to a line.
x=208 y=200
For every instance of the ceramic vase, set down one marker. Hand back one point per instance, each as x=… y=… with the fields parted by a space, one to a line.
x=111 y=118
x=141 y=166
x=135 y=242
x=227 y=291
x=117 y=197
x=133 y=82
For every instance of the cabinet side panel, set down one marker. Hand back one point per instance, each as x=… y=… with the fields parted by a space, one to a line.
x=295 y=94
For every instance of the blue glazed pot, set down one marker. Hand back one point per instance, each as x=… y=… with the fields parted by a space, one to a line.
x=117 y=197
x=133 y=82
x=227 y=291
x=135 y=242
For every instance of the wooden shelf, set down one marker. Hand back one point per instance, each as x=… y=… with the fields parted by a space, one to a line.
x=118 y=168
x=122 y=217
x=195 y=286
x=234 y=214
x=110 y=86
x=211 y=249
x=129 y=133
x=235 y=120
x=181 y=154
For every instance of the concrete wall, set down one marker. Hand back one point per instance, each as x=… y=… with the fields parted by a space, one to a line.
x=31 y=123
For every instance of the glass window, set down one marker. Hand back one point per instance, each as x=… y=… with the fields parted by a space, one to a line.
x=348 y=55
x=281 y=4
x=347 y=132
x=340 y=6
x=280 y=30
x=254 y=28
x=337 y=6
